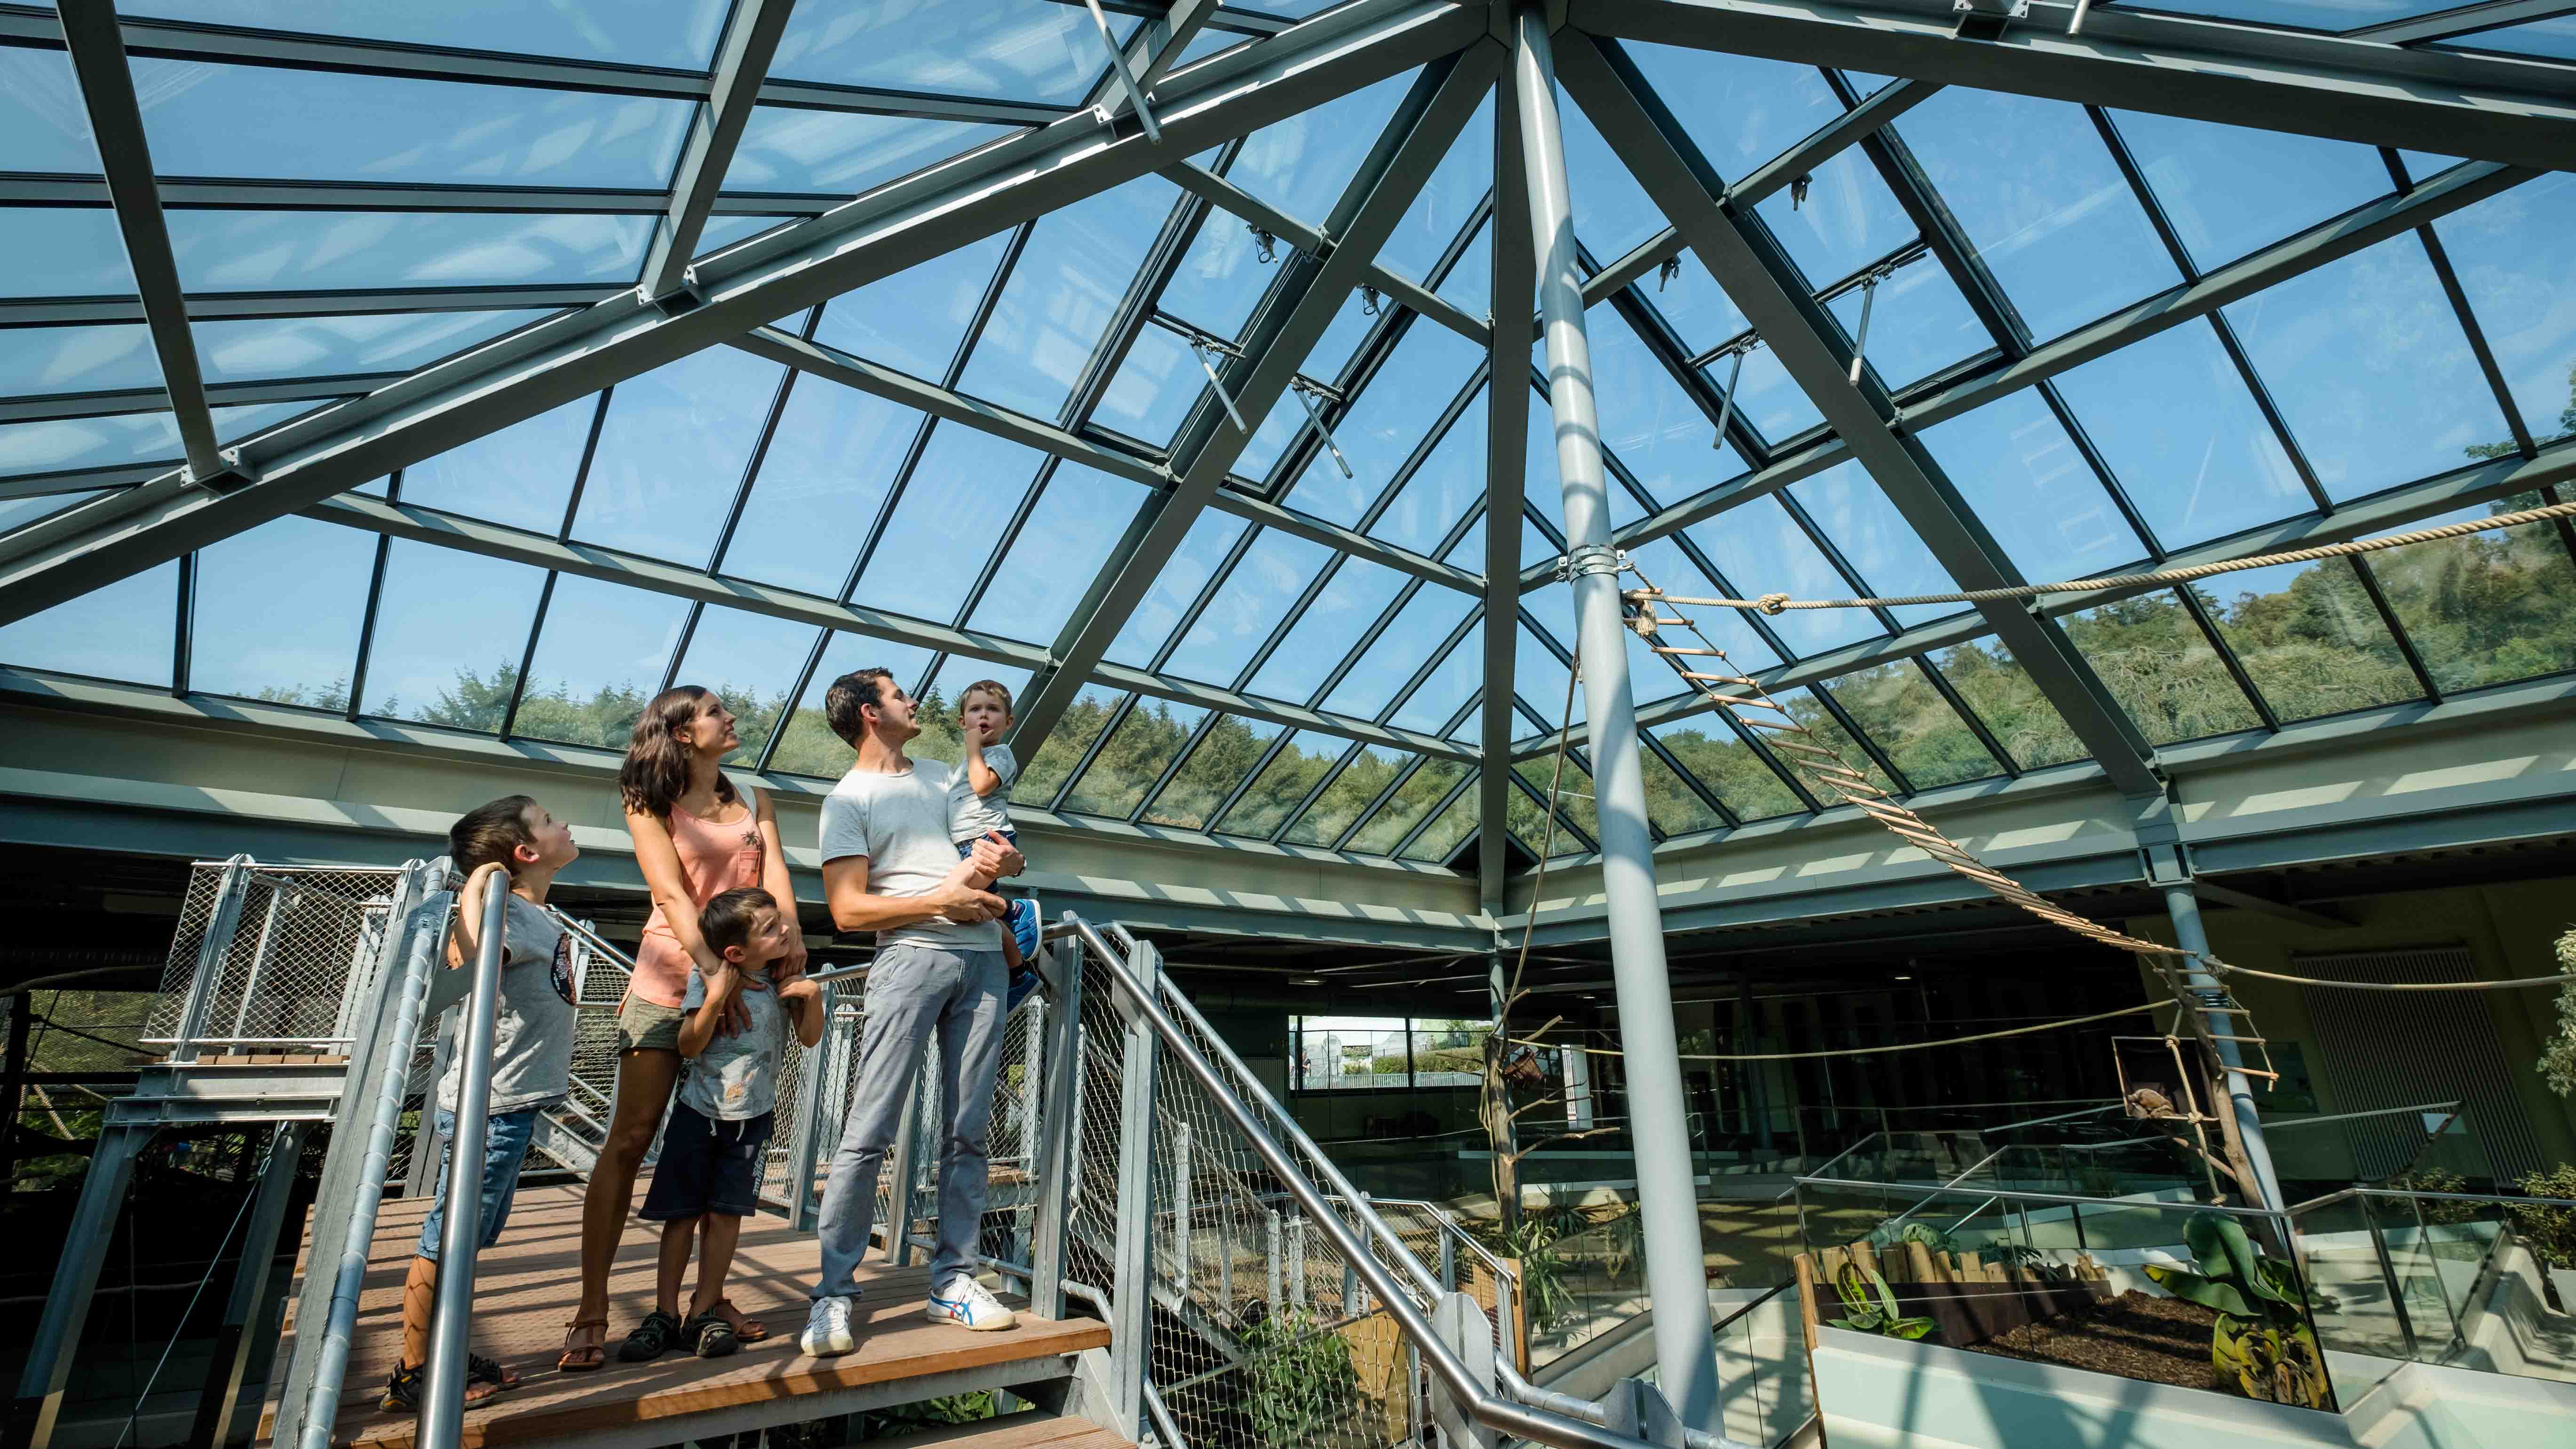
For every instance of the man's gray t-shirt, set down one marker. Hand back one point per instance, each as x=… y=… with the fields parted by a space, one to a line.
x=532 y=1037
x=736 y=1078
x=900 y=823
x=970 y=814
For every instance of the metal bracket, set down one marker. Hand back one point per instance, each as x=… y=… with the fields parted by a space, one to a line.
x=1590 y=558
x=1986 y=19
x=684 y=298
x=237 y=473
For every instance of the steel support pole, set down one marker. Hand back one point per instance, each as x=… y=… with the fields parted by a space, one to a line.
x=1059 y=1114
x=2184 y=908
x=1685 y=1353
x=76 y=1264
x=246 y=1315
x=1131 y=1286
x=442 y=1399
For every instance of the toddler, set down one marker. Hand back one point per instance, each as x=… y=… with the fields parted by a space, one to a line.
x=979 y=802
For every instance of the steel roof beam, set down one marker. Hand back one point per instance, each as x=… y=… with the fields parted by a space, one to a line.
x=1514 y=282
x=219 y=306
x=117 y=402
x=1765 y=287
x=2449 y=24
x=1302 y=302
x=89 y=31
x=715 y=130
x=2456 y=104
x=259 y=194
x=898 y=225
x=2384 y=513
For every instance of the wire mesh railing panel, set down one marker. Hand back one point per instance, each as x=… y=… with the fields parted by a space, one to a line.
x=271 y=959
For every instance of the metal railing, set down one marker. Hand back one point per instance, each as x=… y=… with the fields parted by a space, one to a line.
x=270 y=959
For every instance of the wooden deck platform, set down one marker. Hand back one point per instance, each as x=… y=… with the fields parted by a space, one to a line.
x=525 y=1289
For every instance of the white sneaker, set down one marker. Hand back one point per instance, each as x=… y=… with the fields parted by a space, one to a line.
x=964 y=1302
x=827 y=1329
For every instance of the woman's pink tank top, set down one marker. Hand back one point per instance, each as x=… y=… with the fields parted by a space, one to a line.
x=713 y=859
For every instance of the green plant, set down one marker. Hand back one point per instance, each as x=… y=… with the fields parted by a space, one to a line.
x=2558 y=1058
x=1869 y=1306
x=2434 y=1209
x=2263 y=1342
x=1297 y=1376
x=1544 y=1295
x=1893 y=1235
x=2549 y=1230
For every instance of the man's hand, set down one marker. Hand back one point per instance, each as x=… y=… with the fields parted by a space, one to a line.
x=996 y=857
x=965 y=905
x=799 y=991
x=792 y=965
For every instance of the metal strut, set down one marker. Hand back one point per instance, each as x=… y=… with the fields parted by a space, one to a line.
x=1207 y=351
x=1740 y=347
x=1307 y=393
x=1126 y=78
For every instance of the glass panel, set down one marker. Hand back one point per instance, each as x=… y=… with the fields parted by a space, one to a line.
x=67 y=251
x=1043 y=774
x=450 y=629
x=2309 y=638
x=750 y=661
x=35 y=361
x=254 y=251
x=1469 y=283
x=1062 y=295
x=2366 y=360
x=67 y=444
x=940 y=723
x=1449 y=482
x=1253 y=601
x=946 y=524
x=1699 y=313
x=731 y=229
x=1321 y=637
x=42 y=124
x=2330 y=15
x=1220 y=277
x=328 y=346
x=1760 y=548
x=1573 y=802
x=2554 y=39
x=679 y=34
x=1456 y=189
x=1007 y=49
x=521 y=476
x=1447 y=833
x=1450 y=686
x=1176 y=586
x=2157 y=663
x=821 y=485
x=1282 y=784
x=1386 y=422
x=1612 y=213
x=1135 y=756
x=2172 y=417
x=786 y=150
x=809 y=747
x=1301 y=164
x=2488 y=607
x=1284 y=425
x=1912 y=722
x=1806 y=709
x=205 y=119
x=2229 y=190
x=2015 y=712
x=1541 y=680
x=2513 y=262
x=277 y=612
x=1849 y=219
x=1647 y=420
x=1845 y=504
x=125 y=630
x=1919 y=324
x=1330 y=359
x=1223 y=757
x=1527 y=822
x=2016 y=467
x=2042 y=201
x=1063 y=545
x=1711 y=750
x=1423 y=622
x=1673 y=806
x=913 y=320
x=1425 y=788
x=601 y=653
x=1359 y=783
x=17 y=513
x=1157 y=383
x=1741 y=111
x=672 y=452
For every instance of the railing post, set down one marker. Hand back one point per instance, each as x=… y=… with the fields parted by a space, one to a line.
x=258 y=962
x=907 y=1160
x=1131 y=1285
x=1059 y=1113
x=1182 y=1217
x=1462 y=1326
x=221 y=923
x=1270 y=1245
x=442 y=1397
x=1032 y=1064
x=802 y=1150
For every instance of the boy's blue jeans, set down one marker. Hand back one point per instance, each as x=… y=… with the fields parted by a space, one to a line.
x=505 y=1148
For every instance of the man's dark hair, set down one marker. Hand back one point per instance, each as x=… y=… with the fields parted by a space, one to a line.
x=489 y=833
x=852 y=692
x=727 y=920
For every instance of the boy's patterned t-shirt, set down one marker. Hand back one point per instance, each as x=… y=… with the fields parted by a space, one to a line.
x=736 y=1078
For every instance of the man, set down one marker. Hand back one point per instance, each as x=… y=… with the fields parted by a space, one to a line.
x=889 y=867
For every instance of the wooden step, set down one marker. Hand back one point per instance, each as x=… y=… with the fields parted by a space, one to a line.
x=525 y=1289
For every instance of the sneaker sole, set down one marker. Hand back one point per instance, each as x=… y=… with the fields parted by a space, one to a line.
x=829 y=1348
x=955 y=1322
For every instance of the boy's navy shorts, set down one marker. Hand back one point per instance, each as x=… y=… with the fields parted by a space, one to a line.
x=707 y=1166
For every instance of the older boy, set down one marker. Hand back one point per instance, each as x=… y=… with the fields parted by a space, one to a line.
x=513 y=838
x=888 y=867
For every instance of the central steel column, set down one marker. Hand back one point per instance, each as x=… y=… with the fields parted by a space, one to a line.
x=1685 y=1355
x=2184 y=908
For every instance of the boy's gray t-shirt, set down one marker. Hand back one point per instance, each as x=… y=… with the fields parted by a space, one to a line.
x=970 y=814
x=736 y=1078
x=532 y=1038
x=900 y=823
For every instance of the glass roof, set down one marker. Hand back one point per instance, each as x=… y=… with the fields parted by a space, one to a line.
x=1313 y=678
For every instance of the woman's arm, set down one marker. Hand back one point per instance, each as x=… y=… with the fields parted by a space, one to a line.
x=845 y=890
x=782 y=889
x=660 y=860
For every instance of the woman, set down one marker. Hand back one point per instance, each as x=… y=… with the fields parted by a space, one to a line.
x=696 y=838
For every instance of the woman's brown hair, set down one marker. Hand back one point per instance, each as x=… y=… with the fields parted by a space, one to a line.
x=657 y=764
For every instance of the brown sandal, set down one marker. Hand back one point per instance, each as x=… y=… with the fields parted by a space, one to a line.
x=582 y=1358
x=748 y=1330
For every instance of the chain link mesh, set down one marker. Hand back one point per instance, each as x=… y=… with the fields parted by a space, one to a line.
x=269 y=959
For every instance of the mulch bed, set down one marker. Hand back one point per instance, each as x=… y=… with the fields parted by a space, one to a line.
x=2136 y=1335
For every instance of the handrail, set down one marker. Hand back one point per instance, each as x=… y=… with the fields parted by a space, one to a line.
x=596 y=941
x=442 y=1399
x=2057 y=1198
x=1478 y=1402
x=2507 y=1199
x=2291 y=1124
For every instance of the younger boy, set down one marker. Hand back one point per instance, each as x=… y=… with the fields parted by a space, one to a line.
x=721 y=1120
x=979 y=802
x=512 y=839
